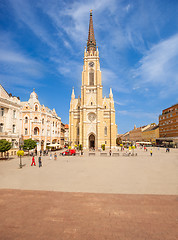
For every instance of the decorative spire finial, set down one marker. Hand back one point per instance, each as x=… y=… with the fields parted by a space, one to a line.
x=91 y=43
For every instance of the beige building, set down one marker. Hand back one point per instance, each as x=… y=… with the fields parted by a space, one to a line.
x=66 y=134
x=40 y=123
x=10 y=119
x=151 y=133
x=92 y=117
x=136 y=135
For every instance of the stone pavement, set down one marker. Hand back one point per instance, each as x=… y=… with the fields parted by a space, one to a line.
x=41 y=215
x=142 y=174
x=86 y=198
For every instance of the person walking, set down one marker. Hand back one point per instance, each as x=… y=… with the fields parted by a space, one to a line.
x=55 y=156
x=151 y=152
x=50 y=156
x=110 y=152
x=33 y=161
x=40 y=161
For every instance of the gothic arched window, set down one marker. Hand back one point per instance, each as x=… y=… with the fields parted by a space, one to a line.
x=26 y=119
x=91 y=78
x=105 y=131
x=78 y=131
x=36 y=107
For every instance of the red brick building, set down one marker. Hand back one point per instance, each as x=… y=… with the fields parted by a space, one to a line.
x=168 y=125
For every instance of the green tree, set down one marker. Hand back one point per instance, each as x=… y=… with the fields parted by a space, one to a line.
x=118 y=141
x=29 y=144
x=5 y=145
x=80 y=147
x=103 y=147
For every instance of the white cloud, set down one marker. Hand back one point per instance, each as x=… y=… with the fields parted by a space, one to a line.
x=26 y=14
x=158 y=67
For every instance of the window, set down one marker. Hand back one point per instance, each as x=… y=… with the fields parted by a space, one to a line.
x=36 y=131
x=2 y=112
x=36 y=107
x=105 y=131
x=14 y=113
x=1 y=127
x=91 y=103
x=26 y=131
x=43 y=121
x=36 y=119
x=105 y=107
x=53 y=124
x=26 y=119
x=91 y=78
x=13 y=128
x=78 y=131
x=42 y=131
x=56 y=124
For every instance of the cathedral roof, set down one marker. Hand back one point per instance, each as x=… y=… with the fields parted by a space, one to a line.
x=33 y=98
x=91 y=43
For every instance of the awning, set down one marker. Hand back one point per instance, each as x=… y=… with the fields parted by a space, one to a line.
x=54 y=145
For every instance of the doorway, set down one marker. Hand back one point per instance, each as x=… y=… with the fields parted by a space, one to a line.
x=92 y=141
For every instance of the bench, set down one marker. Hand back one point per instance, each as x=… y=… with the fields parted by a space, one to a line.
x=103 y=154
x=77 y=154
x=115 y=154
x=91 y=153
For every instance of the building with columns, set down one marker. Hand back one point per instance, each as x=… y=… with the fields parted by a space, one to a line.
x=40 y=123
x=10 y=125
x=92 y=117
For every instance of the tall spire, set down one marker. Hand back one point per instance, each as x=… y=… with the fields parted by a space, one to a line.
x=91 y=43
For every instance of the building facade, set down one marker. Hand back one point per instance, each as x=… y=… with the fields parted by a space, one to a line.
x=10 y=125
x=92 y=117
x=40 y=123
x=66 y=135
x=151 y=133
x=136 y=135
x=168 y=124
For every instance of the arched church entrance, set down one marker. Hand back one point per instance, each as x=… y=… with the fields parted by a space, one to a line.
x=92 y=141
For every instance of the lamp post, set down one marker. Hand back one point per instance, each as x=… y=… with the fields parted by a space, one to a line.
x=20 y=148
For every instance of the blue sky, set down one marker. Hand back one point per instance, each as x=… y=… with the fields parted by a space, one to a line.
x=42 y=45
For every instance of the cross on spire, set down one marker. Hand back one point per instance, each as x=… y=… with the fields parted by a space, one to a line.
x=91 y=43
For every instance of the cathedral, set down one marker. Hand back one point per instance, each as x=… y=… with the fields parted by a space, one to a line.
x=92 y=117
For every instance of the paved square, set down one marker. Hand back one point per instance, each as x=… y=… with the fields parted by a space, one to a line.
x=86 y=197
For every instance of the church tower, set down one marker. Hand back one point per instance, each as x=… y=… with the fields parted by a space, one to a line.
x=92 y=117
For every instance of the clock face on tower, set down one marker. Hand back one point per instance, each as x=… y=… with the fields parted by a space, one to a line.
x=91 y=64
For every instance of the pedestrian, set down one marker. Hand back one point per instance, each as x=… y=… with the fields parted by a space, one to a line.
x=33 y=161
x=39 y=161
x=110 y=152
x=55 y=156
x=151 y=152
x=50 y=156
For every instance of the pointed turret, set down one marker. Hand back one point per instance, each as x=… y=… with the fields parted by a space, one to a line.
x=111 y=94
x=91 y=43
x=73 y=94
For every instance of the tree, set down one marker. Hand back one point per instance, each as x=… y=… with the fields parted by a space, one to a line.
x=118 y=141
x=29 y=144
x=80 y=147
x=5 y=145
x=103 y=147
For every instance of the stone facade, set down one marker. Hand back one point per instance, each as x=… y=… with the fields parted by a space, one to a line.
x=40 y=123
x=151 y=134
x=92 y=117
x=10 y=125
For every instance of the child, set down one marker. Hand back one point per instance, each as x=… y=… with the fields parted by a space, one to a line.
x=151 y=152
x=39 y=160
x=33 y=161
x=55 y=156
